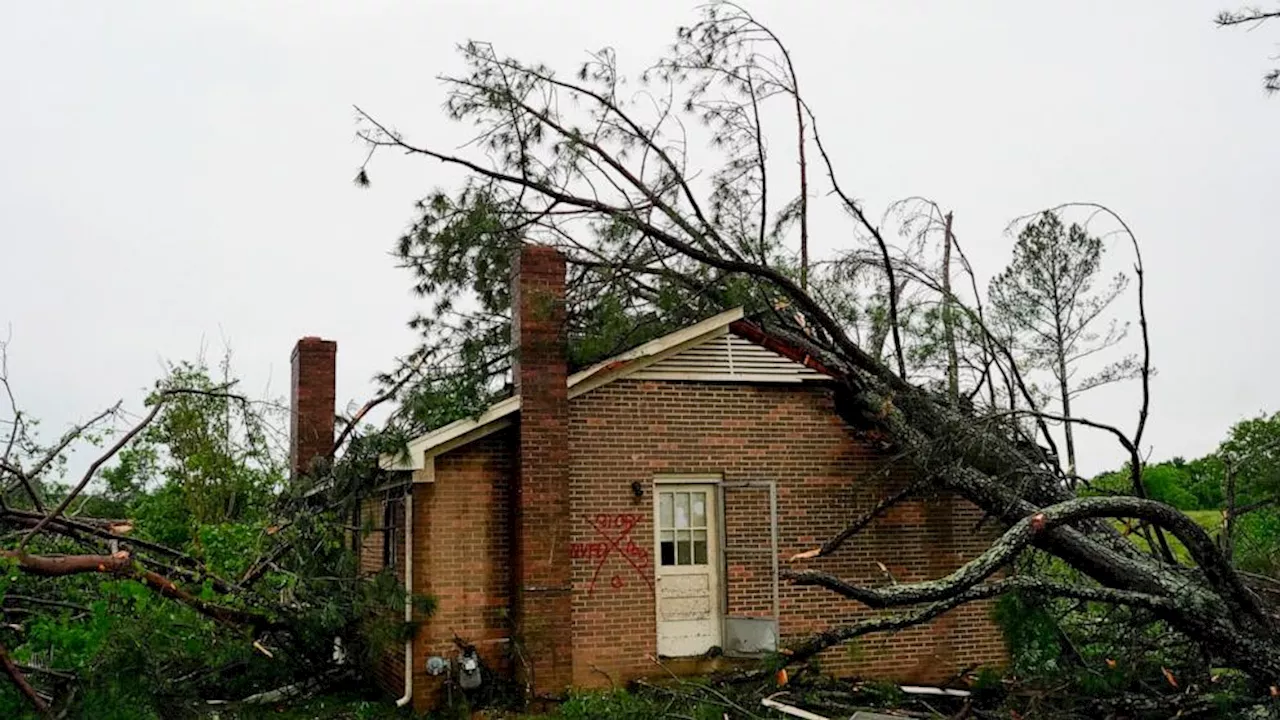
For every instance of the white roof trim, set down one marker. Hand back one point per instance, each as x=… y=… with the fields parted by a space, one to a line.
x=642 y=356
x=415 y=459
x=456 y=433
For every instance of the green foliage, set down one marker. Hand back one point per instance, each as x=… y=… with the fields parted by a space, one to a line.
x=1030 y=632
x=216 y=448
x=1253 y=450
x=1251 y=453
x=1046 y=297
x=350 y=705
x=204 y=480
x=1248 y=461
x=1171 y=482
x=617 y=704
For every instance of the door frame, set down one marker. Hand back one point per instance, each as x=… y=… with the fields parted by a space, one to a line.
x=715 y=565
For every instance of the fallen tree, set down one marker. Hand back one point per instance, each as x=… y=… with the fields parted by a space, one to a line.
x=251 y=573
x=622 y=179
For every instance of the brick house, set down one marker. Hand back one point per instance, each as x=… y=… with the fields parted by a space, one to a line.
x=639 y=509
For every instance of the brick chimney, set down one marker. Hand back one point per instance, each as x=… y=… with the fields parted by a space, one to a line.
x=314 y=395
x=543 y=582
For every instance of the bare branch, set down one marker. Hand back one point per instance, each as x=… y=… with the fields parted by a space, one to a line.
x=823 y=640
x=861 y=522
x=1247 y=15
x=20 y=680
x=856 y=210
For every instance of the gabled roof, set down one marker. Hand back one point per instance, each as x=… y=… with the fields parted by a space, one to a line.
x=705 y=351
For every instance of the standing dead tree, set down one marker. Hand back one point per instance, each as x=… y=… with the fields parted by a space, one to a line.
x=607 y=171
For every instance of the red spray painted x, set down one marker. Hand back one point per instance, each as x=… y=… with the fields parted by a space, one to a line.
x=601 y=552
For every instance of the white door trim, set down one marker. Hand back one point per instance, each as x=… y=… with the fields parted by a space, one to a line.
x=687 y=479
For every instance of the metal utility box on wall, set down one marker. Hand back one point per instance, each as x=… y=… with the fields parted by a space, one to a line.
x=750 y=637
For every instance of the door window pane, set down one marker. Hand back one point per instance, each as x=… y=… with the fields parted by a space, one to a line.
x=667 y=547
x=665 y=510
x=683 y=551
x=699 y=515
x=699 y=547
x=682 y=510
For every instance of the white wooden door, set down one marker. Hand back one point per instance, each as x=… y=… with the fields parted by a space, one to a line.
x=688 y=569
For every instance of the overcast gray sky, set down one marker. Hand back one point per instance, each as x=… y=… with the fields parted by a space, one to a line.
x=179 y=173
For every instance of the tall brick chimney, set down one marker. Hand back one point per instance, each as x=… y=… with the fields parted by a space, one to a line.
x=314 y=395
x=543 y=582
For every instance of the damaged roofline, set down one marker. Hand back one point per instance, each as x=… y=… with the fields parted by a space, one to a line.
x=465 y=430
x=421 y=450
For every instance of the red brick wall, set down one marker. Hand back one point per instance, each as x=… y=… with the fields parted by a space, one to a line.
x=315 y=367
x=543 y=602
x=462 y=556
x=630 y=430
x=389 y=665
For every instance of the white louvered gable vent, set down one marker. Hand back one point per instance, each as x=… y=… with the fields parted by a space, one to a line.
x=728 y=357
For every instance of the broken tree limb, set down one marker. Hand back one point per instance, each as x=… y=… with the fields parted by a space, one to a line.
x=835 y=636
x=20 y=680
x=857 y=525
x=221 y=613
x=1020 y=536
x=111 y=452
x=122 y=564
x=61 y=565
x=76 y=528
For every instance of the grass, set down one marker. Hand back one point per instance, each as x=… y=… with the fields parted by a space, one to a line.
x=1210 y=520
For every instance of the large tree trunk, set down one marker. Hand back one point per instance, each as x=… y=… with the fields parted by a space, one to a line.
x=957 y=452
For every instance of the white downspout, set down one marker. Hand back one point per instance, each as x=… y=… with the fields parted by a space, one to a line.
x=408 y=597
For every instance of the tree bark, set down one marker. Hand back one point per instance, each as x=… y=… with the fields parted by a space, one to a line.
x=948 y=320
x=122 y=564
x=20 y=680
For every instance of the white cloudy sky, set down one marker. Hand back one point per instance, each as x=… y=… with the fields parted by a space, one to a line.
x=178 y=174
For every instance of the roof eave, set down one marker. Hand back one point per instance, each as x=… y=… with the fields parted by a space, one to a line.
x=583 y=381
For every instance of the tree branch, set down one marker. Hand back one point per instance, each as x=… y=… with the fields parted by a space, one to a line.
x=21 y=682
x=823 y=640
x=1022 y=534
x=122 y=564
x=111 y=452
x=861 y=522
